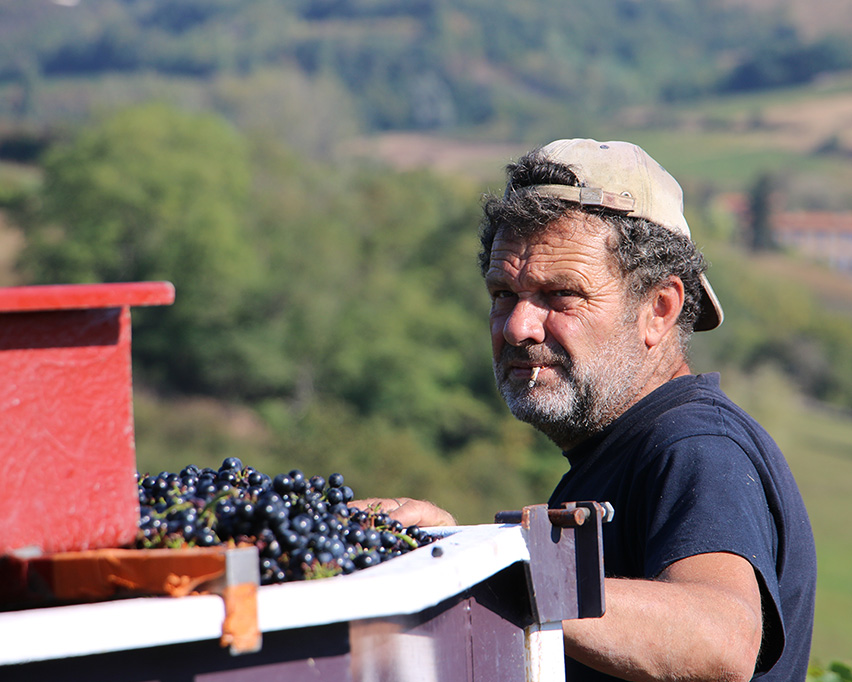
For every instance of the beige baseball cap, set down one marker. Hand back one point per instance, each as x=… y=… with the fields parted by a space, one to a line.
x=622 y=177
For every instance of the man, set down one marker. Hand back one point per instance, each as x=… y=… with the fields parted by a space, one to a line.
x=596 y=288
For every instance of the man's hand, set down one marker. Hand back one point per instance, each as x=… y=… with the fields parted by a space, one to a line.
x=407 y=511
x=699 y=620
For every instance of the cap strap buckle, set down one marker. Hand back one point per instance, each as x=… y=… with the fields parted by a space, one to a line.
x=586 y=196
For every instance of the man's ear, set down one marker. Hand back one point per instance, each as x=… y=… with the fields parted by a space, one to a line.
x=661 y=311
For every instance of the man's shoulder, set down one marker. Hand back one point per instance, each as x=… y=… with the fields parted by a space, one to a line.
x=692 y=405
x=691 y=408
x=687 y=419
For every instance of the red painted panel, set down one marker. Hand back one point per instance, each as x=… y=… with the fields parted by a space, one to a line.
x=81 y=296
x=66 y=415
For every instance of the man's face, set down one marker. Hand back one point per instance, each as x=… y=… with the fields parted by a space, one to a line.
x=558 y=304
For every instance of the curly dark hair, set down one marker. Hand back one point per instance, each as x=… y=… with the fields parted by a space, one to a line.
x=644 y=253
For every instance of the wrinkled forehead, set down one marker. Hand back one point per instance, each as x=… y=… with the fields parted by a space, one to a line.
x=579 y=243
x=573 y=226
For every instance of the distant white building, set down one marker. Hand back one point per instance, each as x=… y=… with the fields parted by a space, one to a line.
x=821 y=235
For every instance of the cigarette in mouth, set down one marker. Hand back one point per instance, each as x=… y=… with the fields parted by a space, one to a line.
x=534 y=376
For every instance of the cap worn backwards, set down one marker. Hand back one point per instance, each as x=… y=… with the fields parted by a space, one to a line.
x=622 y=177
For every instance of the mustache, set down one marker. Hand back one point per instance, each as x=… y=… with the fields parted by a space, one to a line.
x=534 y=355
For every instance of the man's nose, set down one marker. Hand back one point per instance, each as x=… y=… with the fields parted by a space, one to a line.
x=525 y=324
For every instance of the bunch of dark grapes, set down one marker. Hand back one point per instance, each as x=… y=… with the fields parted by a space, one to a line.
x=302 y=527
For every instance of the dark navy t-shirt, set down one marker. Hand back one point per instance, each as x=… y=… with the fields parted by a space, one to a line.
x=689 y=472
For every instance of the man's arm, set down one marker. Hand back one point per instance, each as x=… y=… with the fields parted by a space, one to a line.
x=700 y=619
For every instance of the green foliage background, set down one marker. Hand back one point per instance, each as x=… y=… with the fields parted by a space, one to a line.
x=341 y=306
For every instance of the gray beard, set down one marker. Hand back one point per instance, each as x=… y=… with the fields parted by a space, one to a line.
x=581 y=401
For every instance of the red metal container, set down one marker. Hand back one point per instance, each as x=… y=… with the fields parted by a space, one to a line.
x=67 y=449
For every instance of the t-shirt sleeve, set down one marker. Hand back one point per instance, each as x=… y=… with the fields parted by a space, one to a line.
x=705 y=495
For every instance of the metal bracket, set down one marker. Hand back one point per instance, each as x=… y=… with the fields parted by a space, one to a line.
x=565 y=572
x=238 y=589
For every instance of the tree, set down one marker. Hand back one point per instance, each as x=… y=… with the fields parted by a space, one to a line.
x=148 y=194
x=760 y=237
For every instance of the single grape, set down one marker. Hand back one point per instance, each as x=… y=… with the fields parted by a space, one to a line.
x=372 y=539
x=366 y=559
x=334 y=496
x=282 y=484
x=232 y=463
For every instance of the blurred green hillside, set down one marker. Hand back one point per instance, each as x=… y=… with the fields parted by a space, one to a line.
x=309 y=175
x=316 y=71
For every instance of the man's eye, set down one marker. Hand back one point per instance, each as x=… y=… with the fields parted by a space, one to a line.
x=501 y=293
x=563 y=299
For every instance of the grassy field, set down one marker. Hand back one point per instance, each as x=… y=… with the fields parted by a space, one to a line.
x=724 y=142
x=811 y=17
